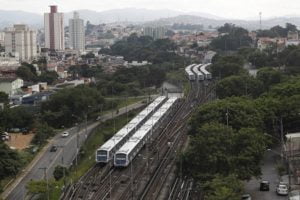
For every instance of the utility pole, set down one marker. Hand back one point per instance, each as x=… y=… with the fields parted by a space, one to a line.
x=126 y=109
x=131 y=181
x=110 y=181
x=46 y=178
x=77 y=146
x=227 y=117
x=260 y=23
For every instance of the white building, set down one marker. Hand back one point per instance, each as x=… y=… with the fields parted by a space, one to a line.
x=54 y=29
x=155 y=32
x=22 y=41
x=77 y=33
x=10 y=86
x=2 y=34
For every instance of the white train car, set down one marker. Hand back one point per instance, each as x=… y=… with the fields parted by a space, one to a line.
x=199 y=74
x=131 y=148
x=189 y=72
x=206 y=73
x=106 y=152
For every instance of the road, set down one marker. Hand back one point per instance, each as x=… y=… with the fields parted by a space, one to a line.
x=269 y=172
x=46 y=161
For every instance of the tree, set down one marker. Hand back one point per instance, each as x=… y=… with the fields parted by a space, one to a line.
x=67 y=106
x=60 y=172
x=10 y=162
x=18 y=117
x=239 y=86
x=43 y=132
x=291 y=27
x=227 y=66
x=225 y=151
x=26 y=74
x=224 y=188
x=269 y=77
x=258 y=59
x=280 y=31
x=3 y=98
x=49 y=77
x=241 y=113
x=232 y=38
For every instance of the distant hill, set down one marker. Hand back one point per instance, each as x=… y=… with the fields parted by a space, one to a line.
x=132 y=15
x=156 y=17
x=249 y=24
x=8 y=18
x=140 y=15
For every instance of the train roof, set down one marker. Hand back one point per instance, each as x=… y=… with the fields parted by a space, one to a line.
x=197 y=70
x=189 y=70
x=203 y=68
x=143 y=130
x=109 y=144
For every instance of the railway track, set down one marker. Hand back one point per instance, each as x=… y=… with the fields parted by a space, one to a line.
x=103 y=182
x=158 y=181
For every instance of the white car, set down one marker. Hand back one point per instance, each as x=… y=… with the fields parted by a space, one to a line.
x=65 y=134
x=282 y=189
x=246 y=197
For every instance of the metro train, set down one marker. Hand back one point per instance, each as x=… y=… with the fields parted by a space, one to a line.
x=106 y=152
x=190 y=73
x=131 y=148
x=206 y=73
x=198 y=72
x=199 y=75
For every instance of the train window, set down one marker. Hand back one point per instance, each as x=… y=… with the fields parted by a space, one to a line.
x=121 y=156
x=102 y=153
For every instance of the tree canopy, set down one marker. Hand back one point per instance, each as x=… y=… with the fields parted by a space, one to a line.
x=66 y=106
x=232 y=38
x=143 y=48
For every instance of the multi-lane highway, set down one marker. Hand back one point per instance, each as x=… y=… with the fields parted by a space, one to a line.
x=65 y=154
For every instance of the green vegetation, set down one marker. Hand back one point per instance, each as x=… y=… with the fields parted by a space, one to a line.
x=239 y=86
x=60 y=172
x=18 y=117
x=43 y=132
x=224 y=188
x=143 y=48
x=3 y=98
x=277 y=31
x=224 y=66
x=68 y=105
x=10 y=162
x=86 y=71
x=27 y=72
x=232 y=38
x=86 y=159
x=228 y=136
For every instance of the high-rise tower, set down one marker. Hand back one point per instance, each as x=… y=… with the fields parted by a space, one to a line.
x=54 y=29
x=21 y=42
x=77 y=33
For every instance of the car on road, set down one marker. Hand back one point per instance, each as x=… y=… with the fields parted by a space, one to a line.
x=264 y=186
x=65 y=134
x=246 y=197
x=282 y=189
x=53 y=148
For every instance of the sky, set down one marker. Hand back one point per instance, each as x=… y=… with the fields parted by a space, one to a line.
x=236 y=9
